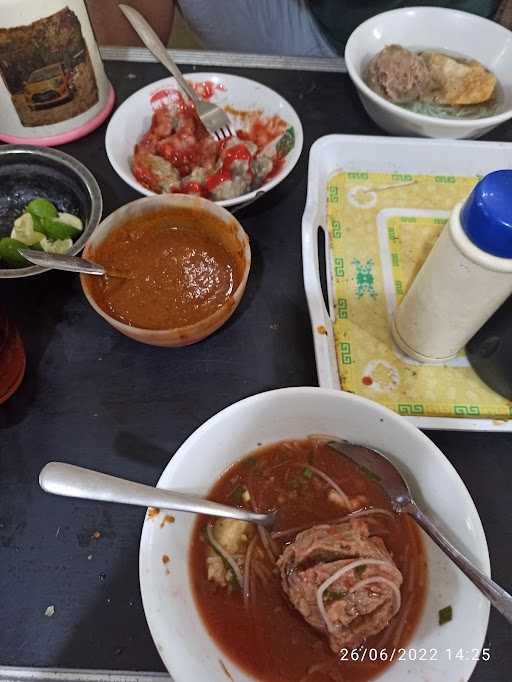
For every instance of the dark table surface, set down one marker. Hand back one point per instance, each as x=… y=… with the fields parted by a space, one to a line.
x=95 y=398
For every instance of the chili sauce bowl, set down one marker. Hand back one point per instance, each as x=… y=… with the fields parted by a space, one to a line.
x=224 y=229
x=27 y=172
x=180 y=635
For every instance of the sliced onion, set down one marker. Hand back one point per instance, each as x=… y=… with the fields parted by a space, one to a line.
x=336 y=575
x=353 y=515
x=225 y=555
x=385 y=581
x=368 y=512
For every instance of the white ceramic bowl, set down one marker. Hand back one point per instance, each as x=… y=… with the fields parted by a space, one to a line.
x=178 y=631
x=431 y=28
x=133 y=118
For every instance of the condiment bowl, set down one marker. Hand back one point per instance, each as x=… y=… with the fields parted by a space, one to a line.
x=180 y=636
x=27 y=172
x=439 y=29
x=232 y=237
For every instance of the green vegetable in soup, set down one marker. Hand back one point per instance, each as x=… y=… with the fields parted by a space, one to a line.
x=307 y=473
x=9 y=254
x=445 y=615
x=359 y=570
x=334 y=595
x=41 y=208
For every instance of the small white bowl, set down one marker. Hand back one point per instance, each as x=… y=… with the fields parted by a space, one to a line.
x=180 y=635
x=431 y=28
x=133 y=118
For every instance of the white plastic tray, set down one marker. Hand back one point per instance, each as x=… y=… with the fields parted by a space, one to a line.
x=334 y=153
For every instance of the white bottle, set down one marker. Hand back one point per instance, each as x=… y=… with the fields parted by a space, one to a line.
x=466 y=277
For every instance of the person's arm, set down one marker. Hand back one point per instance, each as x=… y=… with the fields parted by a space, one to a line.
x=112 y=28
x=504 y=13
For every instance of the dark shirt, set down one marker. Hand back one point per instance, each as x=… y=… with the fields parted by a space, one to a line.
x=338 y=18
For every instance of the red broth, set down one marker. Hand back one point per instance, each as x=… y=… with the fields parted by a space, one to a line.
x=267 y=637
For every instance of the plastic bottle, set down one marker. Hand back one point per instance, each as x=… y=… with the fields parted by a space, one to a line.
x=465 y=278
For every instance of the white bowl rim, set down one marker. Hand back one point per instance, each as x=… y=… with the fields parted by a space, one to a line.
x=126 y=328
x=130 y=179
x=180 y=454
x=405 y=113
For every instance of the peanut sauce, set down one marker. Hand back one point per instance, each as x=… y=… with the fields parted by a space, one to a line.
x=170 y=272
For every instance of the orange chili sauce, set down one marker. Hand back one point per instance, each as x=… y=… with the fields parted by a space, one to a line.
x=167 y=270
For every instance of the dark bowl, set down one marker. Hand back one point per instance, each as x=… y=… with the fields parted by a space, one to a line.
x=27 y=172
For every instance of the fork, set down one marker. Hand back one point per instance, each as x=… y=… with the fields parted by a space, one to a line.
x=214 y=119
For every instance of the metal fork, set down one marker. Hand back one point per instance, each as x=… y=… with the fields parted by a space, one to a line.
x=214 y=119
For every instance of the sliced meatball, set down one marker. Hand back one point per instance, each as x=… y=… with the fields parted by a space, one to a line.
x=233 y=141
x=343 y=582
x=156 y=173
x=261 y=167
x=198 y=175
x=231 y=188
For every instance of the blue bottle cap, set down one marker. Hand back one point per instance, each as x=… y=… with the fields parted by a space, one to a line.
x=486 y=215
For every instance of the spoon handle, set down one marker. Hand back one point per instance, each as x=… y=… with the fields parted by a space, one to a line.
x=62 y=262
x=501 y=600
x=74 y=481
x=155 y=45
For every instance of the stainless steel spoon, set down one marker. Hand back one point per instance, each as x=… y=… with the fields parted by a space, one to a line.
x=62 y=262
x=69 y=480
x=401 y=498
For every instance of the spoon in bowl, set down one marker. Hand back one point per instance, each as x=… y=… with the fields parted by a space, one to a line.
x=378 y=467
x=60 y=261
x=69 y=480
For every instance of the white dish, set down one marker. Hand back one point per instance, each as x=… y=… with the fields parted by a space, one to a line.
x=178 y=631
x=334 y=153
x=428 y=28
x=133 y=118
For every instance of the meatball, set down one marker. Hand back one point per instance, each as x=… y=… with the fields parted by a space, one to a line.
x=155 y=172
x=343 y=582
x=231 y=188
x=398 y=75
x=261 y=167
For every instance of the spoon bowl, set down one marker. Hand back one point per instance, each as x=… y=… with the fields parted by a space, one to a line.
x=380 y=468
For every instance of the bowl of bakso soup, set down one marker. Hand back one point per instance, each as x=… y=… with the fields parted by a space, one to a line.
x=432 y=71
x=341 y=588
